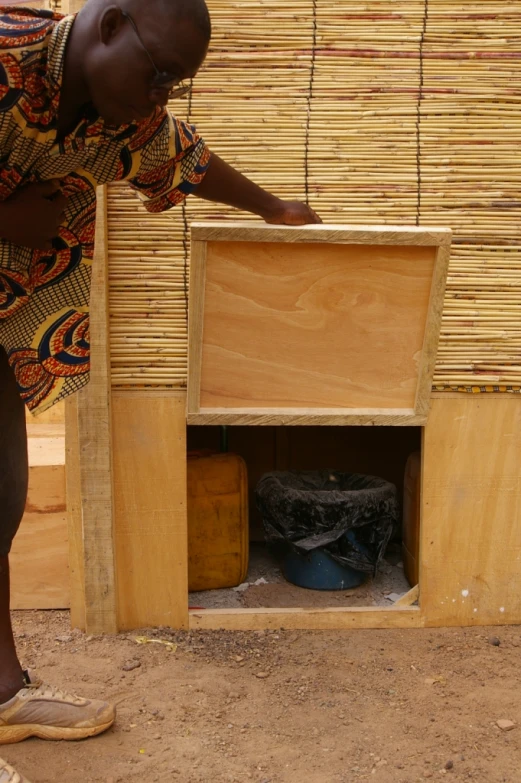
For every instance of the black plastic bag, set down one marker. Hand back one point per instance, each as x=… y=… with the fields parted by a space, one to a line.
x=349 y=515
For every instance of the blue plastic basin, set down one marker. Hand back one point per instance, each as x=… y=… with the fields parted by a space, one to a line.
x=316 y=570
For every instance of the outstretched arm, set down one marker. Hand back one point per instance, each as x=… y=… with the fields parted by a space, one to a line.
x=222 y=183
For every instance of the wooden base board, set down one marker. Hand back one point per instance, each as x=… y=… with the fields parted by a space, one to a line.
x=304 y=619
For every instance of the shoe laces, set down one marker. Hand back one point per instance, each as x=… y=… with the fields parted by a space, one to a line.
x=50 y=692
x=14 y=777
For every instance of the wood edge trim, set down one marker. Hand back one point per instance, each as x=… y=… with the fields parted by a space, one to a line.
x=341 y=234
x=196 y=324
x=432 y=332
x=298 y=418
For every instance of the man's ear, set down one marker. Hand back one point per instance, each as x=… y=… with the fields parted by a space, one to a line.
x=110 y=24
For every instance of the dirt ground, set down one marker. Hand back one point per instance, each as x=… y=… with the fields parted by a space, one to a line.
x=286 y=707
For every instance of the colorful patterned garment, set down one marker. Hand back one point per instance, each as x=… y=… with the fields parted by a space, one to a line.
x=44 y=321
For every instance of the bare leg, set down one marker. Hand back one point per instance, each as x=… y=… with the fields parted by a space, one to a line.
x=13 y=493
x=64 y=716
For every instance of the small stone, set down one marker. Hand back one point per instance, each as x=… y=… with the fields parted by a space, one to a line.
x=131 y=665
x=505 y=725
x=494 y=641
x=427 y=774
x=449 y=764
x=64 y=639
x=262 y=675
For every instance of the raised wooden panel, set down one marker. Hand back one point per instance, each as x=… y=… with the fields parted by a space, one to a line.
x=346 y=326
x=470 y=551
x=149 y=436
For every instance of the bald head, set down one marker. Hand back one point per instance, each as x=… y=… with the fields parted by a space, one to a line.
x=193 y=11
x=134 y=52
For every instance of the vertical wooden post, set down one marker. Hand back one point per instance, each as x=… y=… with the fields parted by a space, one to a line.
x=95 y=451
x=74 y=515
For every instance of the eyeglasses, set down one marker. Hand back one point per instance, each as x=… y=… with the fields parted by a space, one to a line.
x=162 y=80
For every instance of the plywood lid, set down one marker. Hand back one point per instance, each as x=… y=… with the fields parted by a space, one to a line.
x=314 y=324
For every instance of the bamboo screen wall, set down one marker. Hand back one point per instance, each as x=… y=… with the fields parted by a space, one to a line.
x=375 y=112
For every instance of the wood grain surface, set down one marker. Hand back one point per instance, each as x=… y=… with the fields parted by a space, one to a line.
x=301 y=326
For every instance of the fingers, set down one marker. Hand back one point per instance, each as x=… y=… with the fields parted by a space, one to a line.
x=300 y=214
x=302 y=219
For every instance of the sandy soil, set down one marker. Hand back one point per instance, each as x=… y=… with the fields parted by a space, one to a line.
x=287 y=707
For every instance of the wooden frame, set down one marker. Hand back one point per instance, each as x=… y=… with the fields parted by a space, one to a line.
x=392 y=244
x=470 y=535
x=471 y=495
x=471 y=511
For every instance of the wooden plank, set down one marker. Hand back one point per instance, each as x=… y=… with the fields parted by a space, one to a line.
x=288 y=417
x=48 y=450
x=195 y=322
x=149 y=436
x=39 y=558
x=95 y=447
x=53 y=430
x=284 y=327
x=304 y=619
x=330 y=233
x=74 y=514
x=409 y=598
x=432 y=332
x=470 y=551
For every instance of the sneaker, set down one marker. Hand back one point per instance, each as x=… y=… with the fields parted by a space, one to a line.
x=39 y=710
x=10 y=775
